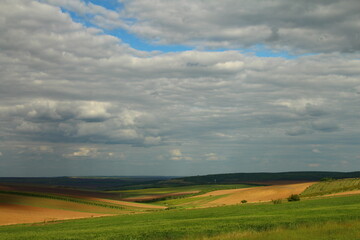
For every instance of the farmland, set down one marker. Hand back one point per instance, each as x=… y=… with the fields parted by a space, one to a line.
x=177 y=209
x=161 y=193
x=29 y=207
x=201 y=223
x=235 y=196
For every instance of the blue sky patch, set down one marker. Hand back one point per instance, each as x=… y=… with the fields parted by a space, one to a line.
x=142 y=44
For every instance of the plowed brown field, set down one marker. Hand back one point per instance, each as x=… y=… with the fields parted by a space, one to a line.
x=255 y=194
x=15 y=214
x=15 y=209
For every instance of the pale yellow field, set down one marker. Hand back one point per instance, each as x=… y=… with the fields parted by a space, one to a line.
x=255 y=194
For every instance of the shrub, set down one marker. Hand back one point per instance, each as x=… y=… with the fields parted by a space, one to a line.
x=277 y=201
x=170 y=208
x=243 y=201
x=293 y=197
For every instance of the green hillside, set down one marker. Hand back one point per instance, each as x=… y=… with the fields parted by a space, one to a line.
x=332 y=186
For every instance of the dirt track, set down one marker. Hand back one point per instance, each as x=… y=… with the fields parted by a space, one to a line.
x=256 y=194
x=15 y=214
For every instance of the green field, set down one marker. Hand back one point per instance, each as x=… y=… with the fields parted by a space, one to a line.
x=265 y=220
x=332 y=186
x=182 y=203
x=318 y=231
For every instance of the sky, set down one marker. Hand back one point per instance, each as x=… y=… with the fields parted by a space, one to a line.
x=178 y=88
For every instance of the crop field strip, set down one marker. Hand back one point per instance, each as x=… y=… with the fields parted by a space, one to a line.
x=19 y=214
x=198 y=223
x=255 y=194
x=189 y=202
x=24 y=207
x=332 y=186
x=22 y=201
x=200 y=189
x=103 y=203
x=63 y=198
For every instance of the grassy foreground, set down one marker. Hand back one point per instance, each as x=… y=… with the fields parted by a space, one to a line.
x=204 y=223
x=319 y=231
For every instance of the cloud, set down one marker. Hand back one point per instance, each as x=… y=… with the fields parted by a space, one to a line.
x=297 y=131
x=44 y=149
x=318 y=26
x=152 y=141
x=312 y=107
x=84 y=152
x=176 y=155
x=120 y=155
x=63 y=83
x=314 y=165
x=211 y=157
x=1 y=154
x=81 y=121
x=96 y=14
x=315 y=150
x=175 y=152
x=49 y=110
x=325 y=126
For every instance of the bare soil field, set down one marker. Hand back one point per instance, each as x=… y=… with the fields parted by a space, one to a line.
x=56 y=204
x=256 y=194
x=15 y=214
x=15 y=209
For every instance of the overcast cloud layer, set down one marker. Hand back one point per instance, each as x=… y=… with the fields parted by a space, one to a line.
x=76 y=101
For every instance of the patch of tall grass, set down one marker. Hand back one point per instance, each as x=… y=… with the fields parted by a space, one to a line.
x=330 y=230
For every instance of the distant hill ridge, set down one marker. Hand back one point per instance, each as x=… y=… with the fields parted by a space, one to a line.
x=116 y=183
x=267 y=176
